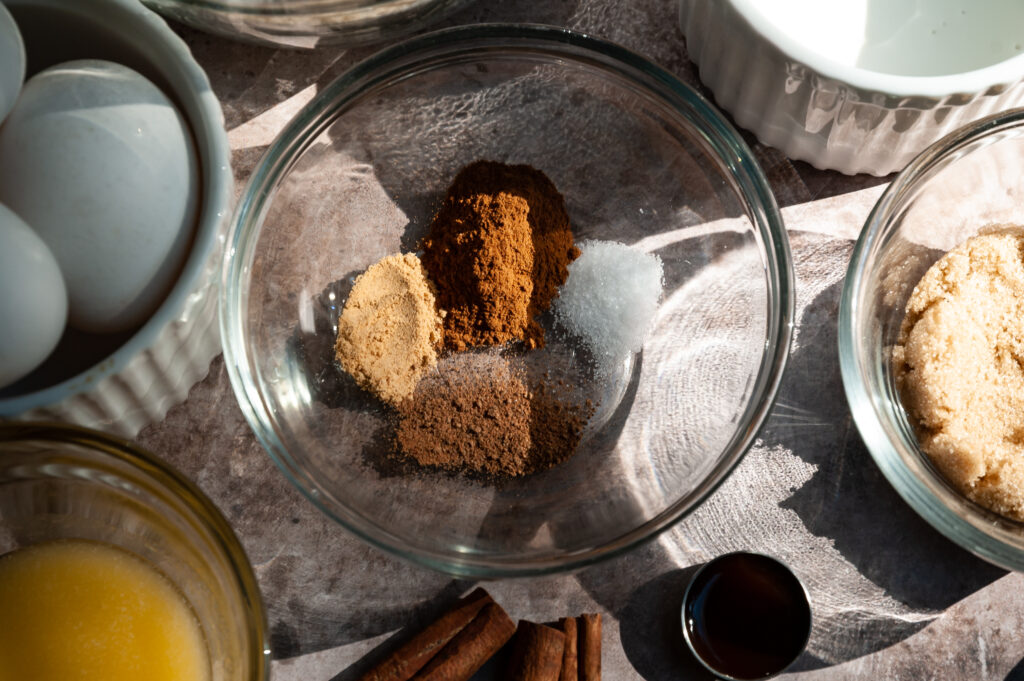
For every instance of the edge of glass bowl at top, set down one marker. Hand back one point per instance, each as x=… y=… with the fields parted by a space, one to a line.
x=867 y=408
x=184 y=490
x=309 y=8
x=324 y=109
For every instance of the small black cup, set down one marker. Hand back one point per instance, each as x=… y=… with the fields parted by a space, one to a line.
x=746 y=616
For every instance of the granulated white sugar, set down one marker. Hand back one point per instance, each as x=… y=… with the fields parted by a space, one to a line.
x=610 y=299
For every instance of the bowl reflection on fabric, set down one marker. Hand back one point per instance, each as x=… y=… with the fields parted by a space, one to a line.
x=299 y=24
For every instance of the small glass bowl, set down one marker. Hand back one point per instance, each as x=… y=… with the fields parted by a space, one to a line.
x=64 y=482
x=308 y=23
x=640 y=158
x=746 y=616
x=964 y=182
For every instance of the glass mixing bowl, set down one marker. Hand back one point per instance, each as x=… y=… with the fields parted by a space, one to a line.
x=308 y=23
x=969 y=179
x=63 y=482
x=641 y=159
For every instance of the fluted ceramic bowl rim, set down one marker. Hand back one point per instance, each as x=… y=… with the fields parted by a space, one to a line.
x=1004 y=72
x=217 y=186
x=891 y=443
x=318 y=114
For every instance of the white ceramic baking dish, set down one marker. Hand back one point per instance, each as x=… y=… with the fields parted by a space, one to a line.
x=857 y=85
x=125 y=381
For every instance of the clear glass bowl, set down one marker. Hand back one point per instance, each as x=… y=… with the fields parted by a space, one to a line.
x=308 y=23
x=65 y=482
x=969 y=179
x=641 y=159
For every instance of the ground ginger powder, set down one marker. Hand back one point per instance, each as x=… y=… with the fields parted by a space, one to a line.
x=960 y=368
x=389 y=330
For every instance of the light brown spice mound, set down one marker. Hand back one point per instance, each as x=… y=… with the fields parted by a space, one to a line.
x=960 y=368
x=497 y=250
x=389 y=330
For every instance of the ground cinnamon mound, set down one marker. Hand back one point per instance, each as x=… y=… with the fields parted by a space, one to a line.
x=497 y=251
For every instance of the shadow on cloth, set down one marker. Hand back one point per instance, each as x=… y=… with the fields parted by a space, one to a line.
x=849 y=502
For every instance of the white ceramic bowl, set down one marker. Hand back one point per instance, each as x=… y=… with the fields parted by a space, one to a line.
x=120 y=383
x=857 y=85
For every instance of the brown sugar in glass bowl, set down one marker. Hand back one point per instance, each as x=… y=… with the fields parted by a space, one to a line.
x=967 y=182
x=959 y=367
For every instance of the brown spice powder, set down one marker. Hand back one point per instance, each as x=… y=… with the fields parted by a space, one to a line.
x=472 y=414
x=497 y=251
x=389 y=329
x=556 y=425
x=476 y=414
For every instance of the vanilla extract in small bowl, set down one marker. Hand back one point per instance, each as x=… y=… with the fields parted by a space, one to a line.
x=746 y=616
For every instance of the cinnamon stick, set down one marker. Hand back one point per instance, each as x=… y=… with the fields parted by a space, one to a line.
x=568 y=672
x=590 y=647
x=536 y=653
x=408 y=659
x=471 y=647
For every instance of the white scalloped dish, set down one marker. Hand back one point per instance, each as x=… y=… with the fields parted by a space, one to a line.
x=121 y=382
x=857 y=85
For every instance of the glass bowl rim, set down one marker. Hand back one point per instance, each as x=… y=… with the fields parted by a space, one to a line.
x=163 y=475
x=930 y=499
x=301 y=8
x=247 y=223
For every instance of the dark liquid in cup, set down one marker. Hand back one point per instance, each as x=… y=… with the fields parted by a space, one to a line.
x=747 y=616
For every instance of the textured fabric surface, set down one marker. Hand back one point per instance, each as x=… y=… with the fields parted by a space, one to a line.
x=891 y=597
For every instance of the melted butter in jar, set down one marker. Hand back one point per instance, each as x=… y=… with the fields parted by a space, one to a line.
x=746 y=616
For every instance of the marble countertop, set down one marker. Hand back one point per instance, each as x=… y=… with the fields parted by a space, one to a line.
x=892 y=598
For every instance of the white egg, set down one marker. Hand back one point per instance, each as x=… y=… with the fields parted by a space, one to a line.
x=33 y=300
x=101 y=164
x=12 y=61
